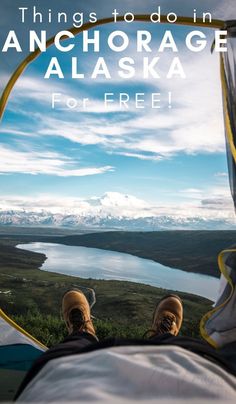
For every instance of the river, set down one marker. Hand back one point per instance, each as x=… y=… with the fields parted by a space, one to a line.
x=103 y=264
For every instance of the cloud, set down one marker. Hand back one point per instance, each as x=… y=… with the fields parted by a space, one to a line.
x=214 y=201
x=11 y=131
x=10 y=16
x=113 y=203
x=221 y=175
x=47 y=163
x=192 y=193
x=193 y=125
x=218 y=205
x=139 y=156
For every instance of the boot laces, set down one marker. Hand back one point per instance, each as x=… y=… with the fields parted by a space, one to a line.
x=77 y=320
x=166 y=324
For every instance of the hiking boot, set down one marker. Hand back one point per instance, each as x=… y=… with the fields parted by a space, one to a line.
x=168 y=316
x=76 y=313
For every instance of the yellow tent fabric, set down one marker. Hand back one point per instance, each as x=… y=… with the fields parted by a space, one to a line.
x=217 y=24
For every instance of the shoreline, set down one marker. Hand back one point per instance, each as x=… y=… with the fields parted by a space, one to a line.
x=147 y=272
x=189 y=251
x=121 y=306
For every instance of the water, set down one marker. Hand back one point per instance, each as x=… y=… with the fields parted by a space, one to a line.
x=102 y=264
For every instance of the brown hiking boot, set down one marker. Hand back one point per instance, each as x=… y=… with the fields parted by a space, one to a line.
x=76 y=313
x=168 y=316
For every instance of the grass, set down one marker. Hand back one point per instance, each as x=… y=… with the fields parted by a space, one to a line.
x=123 y=309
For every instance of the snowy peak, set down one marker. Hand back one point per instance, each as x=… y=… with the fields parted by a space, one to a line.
x=113 y=210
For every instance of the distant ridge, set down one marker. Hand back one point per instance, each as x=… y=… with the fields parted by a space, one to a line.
x=97 y=222
x=191 y=251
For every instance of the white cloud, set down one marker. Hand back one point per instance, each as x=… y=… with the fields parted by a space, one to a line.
x=9 y=16
x=208 y=204
x=139 y=156
x=221 y=175
x=11 y=131
x=193 y=125
x=214 y=192
x=31 y=162
x=215 y=201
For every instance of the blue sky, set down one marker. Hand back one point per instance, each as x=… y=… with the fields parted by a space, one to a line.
x=171 y=159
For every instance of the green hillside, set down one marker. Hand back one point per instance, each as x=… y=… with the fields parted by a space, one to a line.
x=191 y=251
x=124 y=309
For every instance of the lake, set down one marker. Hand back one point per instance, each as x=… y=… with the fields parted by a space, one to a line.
x=103 y=264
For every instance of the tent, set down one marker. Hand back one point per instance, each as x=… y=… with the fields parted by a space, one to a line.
x=217 y=326
x=18 y=350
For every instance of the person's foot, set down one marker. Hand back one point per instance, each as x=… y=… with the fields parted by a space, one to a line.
x=168 y=316
x=76 y=313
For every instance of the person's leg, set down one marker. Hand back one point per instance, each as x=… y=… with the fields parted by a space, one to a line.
x=81 y=333
x=228 y=353
x=167 y=321
x=166 y=324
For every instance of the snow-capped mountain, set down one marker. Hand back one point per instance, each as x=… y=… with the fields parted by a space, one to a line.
x=113 y=210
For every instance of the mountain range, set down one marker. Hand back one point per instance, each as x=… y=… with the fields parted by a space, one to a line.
x=111 y=211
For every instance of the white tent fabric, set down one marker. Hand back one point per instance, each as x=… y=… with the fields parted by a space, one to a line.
x=218 y=326
x=10 y=335
x=18 y=350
